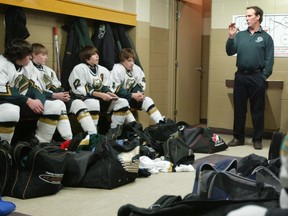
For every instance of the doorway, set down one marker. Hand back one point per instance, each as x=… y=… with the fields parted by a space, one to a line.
x=188 y=49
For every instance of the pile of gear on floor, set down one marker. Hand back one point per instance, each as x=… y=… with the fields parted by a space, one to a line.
x=251 y=185
x=32 y=169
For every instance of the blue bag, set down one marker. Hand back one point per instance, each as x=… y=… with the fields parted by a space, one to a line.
x=6 y=207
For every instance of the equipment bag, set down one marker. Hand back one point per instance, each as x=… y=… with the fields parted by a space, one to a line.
x=228 y=185
x=113 y=166
x=202 y=140
x=35 y=171
x=77 y=166
x=177 y=151
x=5 y=164
x=170 y=205
x=162 y=131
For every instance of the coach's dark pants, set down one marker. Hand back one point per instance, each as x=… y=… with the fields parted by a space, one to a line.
x=250 y=86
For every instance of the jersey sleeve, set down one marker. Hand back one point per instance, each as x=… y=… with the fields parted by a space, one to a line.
x=141 y=81
x=12 y=95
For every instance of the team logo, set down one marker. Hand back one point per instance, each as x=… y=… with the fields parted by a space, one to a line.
x=259 y=39
x=129 y=84
x=51 y=178
x=97 y=84
x=101 y=31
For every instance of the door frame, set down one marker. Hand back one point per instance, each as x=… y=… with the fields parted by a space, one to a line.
x=173 y=56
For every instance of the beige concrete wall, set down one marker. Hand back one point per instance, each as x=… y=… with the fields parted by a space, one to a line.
x=158 y=77
x=150 y=39
x=222 y=67
x=40 y=26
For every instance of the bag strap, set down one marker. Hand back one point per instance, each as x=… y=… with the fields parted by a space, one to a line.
x=20 y=152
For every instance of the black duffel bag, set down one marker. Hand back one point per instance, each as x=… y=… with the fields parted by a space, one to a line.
x=112 y=165
x=5 y=164
x=35 y=171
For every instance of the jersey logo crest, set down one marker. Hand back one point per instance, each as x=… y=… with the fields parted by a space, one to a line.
x=101 y=31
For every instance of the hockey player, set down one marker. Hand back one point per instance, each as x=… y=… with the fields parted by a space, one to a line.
x=91 y=80
x=49 y=83
x=129 y=82
x=17 y=93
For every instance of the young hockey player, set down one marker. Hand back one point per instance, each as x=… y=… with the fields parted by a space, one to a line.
x=91 y=80
x=20 y=94
x=51 y=86
x=129 y=82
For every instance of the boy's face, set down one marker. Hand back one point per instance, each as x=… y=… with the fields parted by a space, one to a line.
x=40 y=58
x=24 y=61
x=94 y=59
x=128 y=63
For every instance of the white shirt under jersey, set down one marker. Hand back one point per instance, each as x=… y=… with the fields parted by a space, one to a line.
x=128 y=79
x=83 y=81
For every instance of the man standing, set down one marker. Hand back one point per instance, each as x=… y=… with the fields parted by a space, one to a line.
x=255 y=58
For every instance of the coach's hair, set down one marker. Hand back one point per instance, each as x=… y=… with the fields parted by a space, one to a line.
x=258 y=11
x=125 y=54
x=86 y=52
x=17 y=49
x=39 y=48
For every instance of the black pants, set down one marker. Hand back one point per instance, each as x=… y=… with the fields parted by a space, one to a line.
x=252 y=87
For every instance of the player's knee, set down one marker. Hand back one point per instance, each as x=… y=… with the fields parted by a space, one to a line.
x=77 y=105
x=121 y=104
x=148 y=102
x=92 y=104
x=53 y=107
x=11 y=113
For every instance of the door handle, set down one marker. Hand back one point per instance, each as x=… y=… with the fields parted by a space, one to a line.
x=199 y=69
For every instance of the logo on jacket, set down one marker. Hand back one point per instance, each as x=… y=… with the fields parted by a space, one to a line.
x=259 y=39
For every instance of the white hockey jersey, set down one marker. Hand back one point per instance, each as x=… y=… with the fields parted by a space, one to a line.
x=128 y=79
x=44 y=76
x=83 y=81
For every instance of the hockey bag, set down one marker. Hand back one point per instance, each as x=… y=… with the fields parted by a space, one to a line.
x=177 y=151
x=112 y=166
x=171 y=205
x=35 y=171
x=5 y=167
x=202 y=140
x=226 y=184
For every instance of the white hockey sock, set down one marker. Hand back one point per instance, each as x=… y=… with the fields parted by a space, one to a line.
x=129 y=117
x=6 y=133
x=95 y=120
x=64 y=127
x=87 y=123
x=118 y=118
x=155 y=115
x=45 y=129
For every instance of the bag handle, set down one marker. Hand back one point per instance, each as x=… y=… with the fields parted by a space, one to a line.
x=20 y=153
